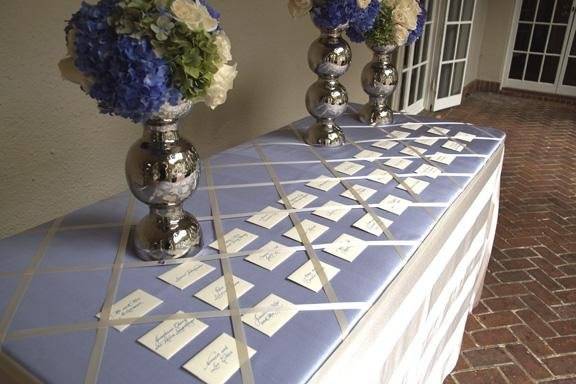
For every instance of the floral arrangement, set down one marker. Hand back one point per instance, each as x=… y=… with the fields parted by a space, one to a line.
x=358 y=15
x=134 y=56
x=399 y=22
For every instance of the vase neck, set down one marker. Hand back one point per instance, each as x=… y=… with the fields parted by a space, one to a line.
x=161 y=131
x=383 y=57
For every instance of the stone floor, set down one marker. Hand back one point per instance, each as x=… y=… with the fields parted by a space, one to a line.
x=524 y=329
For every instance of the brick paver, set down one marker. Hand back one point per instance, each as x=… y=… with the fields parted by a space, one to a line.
x=524 y=329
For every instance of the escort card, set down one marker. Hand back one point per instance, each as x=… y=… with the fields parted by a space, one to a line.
x=307 y=277
x=438 y=131
x=346 y=247
x=380 y=176
x=271 y=255
x=186 y=274
x=400 y=134
x=411 y=126
x=413 y=151
x=454 y=146
x=467 y=137
x=428 y=170
x=416 y=185
x=364 y=192
x=332 y=211
x=443 y=158
x=398 y=163
x=218 y=361
x=136 y=304
x=394 y=204
x=313 y=231
x=215 y=292
x=299 y=199
x=270 y=322
x=349 y=168
x=235 y=240
x=323 y=183
x=428 y=141
x=368 y=155
x=269 y=217
x=368 y=224
x=172 y=335
x=385 y=144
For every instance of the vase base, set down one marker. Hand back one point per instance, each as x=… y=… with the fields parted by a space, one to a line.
x=167 y=233
x=323 y=134
x=376 y=114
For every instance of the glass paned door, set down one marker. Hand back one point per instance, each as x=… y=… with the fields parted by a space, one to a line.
x=539 y=52
x=415 y=68
x=567 y=80
x=454 y=53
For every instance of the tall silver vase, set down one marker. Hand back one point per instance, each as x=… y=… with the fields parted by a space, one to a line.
x=162 y=169
x=329 y=57
x=379 y=80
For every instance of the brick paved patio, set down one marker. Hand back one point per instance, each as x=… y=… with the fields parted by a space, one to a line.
x=524 y=329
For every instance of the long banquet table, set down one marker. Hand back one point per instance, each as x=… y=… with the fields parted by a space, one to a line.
x=392 y=312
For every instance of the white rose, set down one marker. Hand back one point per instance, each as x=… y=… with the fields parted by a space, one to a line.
x=400 y=35
x=406 y=16
x=223 y=46
x=299 y=8
x=194 y=15
x=363 y=3
x=222 y=82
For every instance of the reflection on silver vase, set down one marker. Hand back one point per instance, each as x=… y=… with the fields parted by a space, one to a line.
x=329 y=57
x=162 y=169
x=379 y=80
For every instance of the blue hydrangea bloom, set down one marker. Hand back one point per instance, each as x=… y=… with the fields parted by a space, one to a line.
x=334 y=13
x=363 y=22
x=129 y=80
x=416 y=33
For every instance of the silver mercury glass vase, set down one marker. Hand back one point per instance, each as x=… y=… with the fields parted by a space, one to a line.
x=379 y=80
x=329 y=57
x=162 y=169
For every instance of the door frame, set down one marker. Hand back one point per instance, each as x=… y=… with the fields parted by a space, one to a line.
x=534 y=86
x=441 y=19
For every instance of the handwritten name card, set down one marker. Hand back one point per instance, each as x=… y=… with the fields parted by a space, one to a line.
x=313 y=231
x=385 y=144
x=368 y=224
x=136 y=304
x=332 y=211
x=218 y=361
x=367 y=155
x=428 y=141
x=215 y=293
x=453 y=146
x=443 y=158
x=268 y=217
x=346 y=247
x=323 y=183
x=394 y=204
x=348 y=168
x=364 y=192
x=380 y=176
x=467 y=137
x=271 y=321
x=415 y=185
x=186 y=274
x=235 y=240
x=307 y=276
x=398 y=163
x=172 y=335
x=400 y=134
x=271 y=255
x=413 y=151
x=299 y=199
x=428 y=170
x=411 y=126
x=438 y=131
